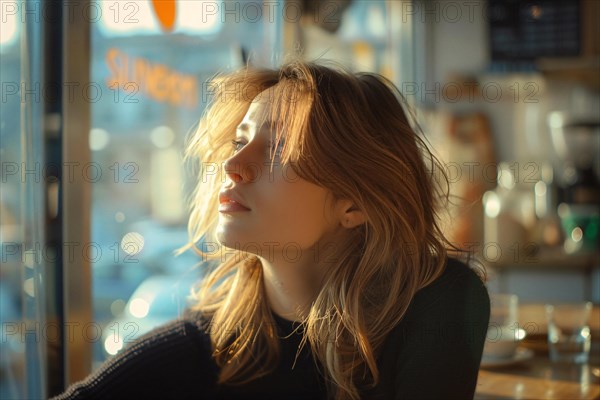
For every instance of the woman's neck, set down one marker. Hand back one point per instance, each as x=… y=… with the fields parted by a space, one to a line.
x=291 y=285
x=289 y=288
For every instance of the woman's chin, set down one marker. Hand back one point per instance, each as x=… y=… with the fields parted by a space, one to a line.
x=227 y=236
x=222 y=236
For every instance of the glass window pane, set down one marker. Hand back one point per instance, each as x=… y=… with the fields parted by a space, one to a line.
x=150 y=65
x=23 y=327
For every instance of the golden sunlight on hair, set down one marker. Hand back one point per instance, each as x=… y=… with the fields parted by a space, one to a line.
x=349 y=134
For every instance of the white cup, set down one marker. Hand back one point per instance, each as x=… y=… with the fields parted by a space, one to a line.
x=502 y=341
x=504 y=334
x=504 y=309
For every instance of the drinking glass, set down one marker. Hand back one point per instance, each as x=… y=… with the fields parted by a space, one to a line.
x=569 y=336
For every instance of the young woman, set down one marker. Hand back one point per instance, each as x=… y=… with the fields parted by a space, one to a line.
x=333 y=281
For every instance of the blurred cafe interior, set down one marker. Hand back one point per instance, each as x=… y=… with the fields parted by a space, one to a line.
x=99 y=96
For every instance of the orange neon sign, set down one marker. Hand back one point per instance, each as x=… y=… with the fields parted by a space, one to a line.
x=154 y=80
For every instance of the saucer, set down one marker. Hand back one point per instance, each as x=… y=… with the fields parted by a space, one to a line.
x=521 y=354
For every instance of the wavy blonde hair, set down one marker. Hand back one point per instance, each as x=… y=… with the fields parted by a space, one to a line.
x=354 y=127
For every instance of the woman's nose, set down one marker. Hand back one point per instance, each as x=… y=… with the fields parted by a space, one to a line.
x=233 y=173
x=240 y=173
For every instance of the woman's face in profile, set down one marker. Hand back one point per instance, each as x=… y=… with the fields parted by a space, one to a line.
x=283 y=212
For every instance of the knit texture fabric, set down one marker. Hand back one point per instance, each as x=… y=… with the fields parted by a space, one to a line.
x=433 y=353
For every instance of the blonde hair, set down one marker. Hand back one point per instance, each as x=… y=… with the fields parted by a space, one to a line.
x=354 y=127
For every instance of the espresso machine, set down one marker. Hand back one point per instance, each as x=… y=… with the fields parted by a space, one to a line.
x=576 y=141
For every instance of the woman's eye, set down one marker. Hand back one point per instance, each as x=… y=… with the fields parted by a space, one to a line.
x=237 y=144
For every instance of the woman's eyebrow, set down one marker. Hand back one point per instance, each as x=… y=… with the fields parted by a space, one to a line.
x=243 y=127
x=246 y=126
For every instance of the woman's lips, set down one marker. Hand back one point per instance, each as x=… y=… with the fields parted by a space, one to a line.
x=228 y=202
x=232 y=206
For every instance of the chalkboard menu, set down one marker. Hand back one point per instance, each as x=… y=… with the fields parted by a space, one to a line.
x=521 y=31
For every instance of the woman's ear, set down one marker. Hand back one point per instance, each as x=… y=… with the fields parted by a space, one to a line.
x=351 y=215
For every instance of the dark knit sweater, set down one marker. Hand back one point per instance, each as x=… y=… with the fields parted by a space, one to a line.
x=433 y=353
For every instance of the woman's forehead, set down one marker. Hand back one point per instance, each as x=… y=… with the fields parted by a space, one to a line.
x=256 y=121
x=259 y=116
x=259 y=112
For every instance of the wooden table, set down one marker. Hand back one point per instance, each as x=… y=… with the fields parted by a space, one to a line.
x=539 y=378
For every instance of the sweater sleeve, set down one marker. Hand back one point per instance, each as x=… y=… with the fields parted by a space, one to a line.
x=172 y=361
x=440 y=346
